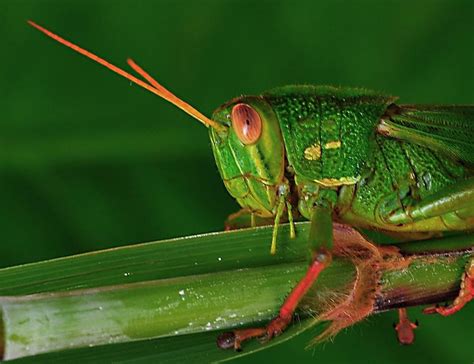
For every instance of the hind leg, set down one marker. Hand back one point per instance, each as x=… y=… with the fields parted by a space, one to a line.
x=449 y=209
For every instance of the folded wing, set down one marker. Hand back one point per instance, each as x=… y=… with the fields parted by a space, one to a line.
x=447 y=129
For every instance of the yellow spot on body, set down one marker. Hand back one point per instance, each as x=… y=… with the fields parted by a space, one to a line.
x=334 y=182
x=313 y=152
x=333 y=145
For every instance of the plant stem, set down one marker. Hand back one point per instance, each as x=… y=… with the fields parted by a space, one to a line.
x=221 y=300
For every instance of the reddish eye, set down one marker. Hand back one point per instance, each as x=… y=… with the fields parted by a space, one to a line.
x=246 y=123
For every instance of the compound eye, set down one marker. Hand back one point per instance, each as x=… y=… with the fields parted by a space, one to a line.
x=246 y=123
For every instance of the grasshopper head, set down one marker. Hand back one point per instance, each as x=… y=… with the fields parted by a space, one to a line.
x=250 y=153
x=245 y=136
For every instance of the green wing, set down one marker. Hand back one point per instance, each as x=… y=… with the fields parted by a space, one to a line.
x=446 y=129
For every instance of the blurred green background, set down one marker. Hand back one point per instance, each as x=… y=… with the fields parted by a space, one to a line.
x=90 y=162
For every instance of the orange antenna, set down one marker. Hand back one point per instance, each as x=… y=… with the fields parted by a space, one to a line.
x=153 y=85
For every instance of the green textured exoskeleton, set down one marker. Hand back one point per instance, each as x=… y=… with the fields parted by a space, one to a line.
x=355 y=154
x=347 y=155
x=338 y=154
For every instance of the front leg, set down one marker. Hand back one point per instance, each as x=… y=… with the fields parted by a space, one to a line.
x=244 y=218
x=320 y=244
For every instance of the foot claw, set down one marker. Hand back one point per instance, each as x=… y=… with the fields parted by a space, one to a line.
x=234 y=339
x=226 y=340
x=431 y=310
x=466 y=294
x=405 y=328
x=277 y=326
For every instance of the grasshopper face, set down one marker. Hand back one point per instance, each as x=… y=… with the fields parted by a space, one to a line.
x=250 y=153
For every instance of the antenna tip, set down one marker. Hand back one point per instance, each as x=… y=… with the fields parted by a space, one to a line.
x=34 y=25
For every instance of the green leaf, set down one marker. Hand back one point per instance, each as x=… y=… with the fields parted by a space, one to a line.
x=207 y=282
x=183 y=291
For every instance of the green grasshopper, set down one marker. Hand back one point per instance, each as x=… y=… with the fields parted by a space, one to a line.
x=338 y=154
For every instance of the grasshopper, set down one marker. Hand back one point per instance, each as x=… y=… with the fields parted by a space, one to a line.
x=329 y=154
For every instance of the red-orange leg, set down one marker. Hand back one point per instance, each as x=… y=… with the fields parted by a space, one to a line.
x=405 y=328
x=466 y=294
x=320 y=245
x=234 y=339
